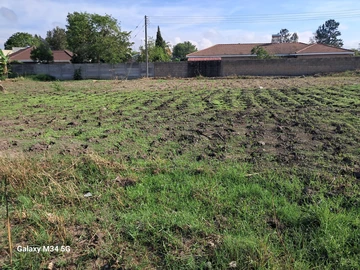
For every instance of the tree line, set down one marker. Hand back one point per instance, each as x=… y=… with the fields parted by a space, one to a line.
x=99 y=39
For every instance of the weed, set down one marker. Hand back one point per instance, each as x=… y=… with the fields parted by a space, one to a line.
x=41 y=77
x=57 y=86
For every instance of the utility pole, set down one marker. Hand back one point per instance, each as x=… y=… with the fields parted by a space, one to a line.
x=146 y=48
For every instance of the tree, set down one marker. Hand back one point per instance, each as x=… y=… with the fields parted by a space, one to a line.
x=160 y=42
x=260 y=52
x=287 y=37
x=4 y=61
x=356 y=51
x=42 y=53
x=20 y=39
x=96 y=38
x=328 y=34
x=294 y=38
x=56 y=39
x=158 y=50
x=156 y=53
x=162 y=51
x=182 y=49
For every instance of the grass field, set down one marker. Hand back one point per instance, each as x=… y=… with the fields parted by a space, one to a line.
x=238 y=173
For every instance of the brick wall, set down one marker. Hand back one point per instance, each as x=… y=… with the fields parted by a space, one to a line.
x=171 y=69
x=288 y=67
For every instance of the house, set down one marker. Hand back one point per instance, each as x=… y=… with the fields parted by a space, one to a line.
x=23 y=56
x=6 y=52
x=287 y=50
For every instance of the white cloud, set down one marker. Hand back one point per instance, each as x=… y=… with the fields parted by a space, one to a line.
x=352 y=44
x=7 y=15
x=212 y=33
x=177 y=40
x=204 y=43
x=305 y=36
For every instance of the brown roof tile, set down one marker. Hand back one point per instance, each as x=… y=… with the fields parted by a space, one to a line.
x=204 y=59
x=322 y=48
x=224 y=50
x=62 y=55
x=23 y=55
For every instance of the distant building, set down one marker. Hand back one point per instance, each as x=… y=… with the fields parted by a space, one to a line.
x=23 y=55
x=275 y=48
x=7 y=52
x=276 y=38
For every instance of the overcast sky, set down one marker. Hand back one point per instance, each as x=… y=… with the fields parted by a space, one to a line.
x=204 y=23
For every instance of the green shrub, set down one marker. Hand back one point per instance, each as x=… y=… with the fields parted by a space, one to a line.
x=42 y=77
x=57 y=86
x=77 y=74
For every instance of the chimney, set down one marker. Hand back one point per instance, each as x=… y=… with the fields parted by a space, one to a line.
x=276 y=38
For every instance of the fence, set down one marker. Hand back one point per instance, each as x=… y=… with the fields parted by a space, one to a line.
x=225 y=67
x=289 y=66
x=88 y=71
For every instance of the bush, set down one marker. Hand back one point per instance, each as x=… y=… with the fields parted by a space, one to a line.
x=42 y=77
x=77 y=74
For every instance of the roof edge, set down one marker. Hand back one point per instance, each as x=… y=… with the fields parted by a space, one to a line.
x=307 y=47
x=254 y=55
x=20 y=51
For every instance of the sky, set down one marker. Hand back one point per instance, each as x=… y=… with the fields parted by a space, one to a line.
x=203 y=23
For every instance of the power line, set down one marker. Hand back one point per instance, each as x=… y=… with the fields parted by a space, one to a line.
x=136 y=27
x=258 y=18
x=140 y=30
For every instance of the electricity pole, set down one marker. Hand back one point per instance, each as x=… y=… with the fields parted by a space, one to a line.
x=146 y=48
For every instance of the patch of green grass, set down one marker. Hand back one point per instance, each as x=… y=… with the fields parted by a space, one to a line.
x=181 y=218
x=188 y=174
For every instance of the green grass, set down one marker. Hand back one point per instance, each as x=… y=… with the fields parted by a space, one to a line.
x=188 y=174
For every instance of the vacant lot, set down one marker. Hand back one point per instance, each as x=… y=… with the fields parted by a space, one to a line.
x=242 y=173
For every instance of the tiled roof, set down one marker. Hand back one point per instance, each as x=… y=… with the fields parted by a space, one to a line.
x=64 y=55
x=204 y=59
x=23 y=55
x=322 y=48
x=227 y=50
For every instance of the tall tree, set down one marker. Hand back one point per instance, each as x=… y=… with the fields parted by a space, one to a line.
x=182 y=49
x=156 y=53
x=96 y=38
x=20 y=39
x=56 y=38
x=158 y=50
x=159 y=42
x=42 y=53
x=328 y=34
x=78 y=36
x=287 y=37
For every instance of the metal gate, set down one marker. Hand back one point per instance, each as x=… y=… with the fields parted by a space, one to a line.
x=204 y=68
